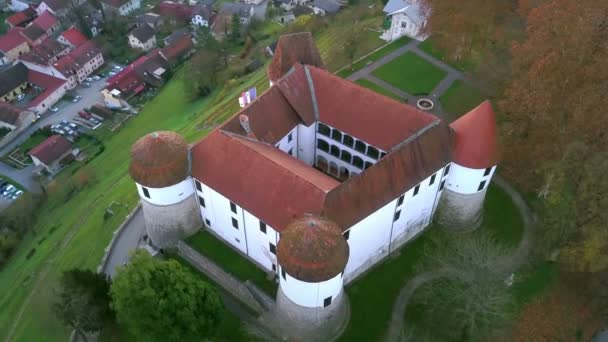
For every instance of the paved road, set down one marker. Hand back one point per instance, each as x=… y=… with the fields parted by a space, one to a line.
x=259 y=11
x=67 y=111
x=127 y=241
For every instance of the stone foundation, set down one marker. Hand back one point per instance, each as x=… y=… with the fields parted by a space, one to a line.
x=460 y=212
x=298 y=323
x=165 y=225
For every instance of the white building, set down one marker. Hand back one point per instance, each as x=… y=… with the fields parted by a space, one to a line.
x=142 y=37
x=316 y=144
x=201 y=16
x=120 y=7
x=404 y=18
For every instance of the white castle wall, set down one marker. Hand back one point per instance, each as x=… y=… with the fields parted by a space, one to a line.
x=310 y=294
x=464 y=180
x=167 y=195
x=306 y=143
x=288 y=145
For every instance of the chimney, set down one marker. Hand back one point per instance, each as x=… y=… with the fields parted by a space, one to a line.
x=244 y=119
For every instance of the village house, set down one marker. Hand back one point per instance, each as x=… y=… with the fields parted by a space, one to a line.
x=142 y=37
x=13 y=44
x=41 y=28
x=120 y=7
x=223 y=20
x=48 y=90
x=22 y=18
x=154 y=20
x=79 y=63
x=14 y=118
x=325 y=7
x=58 y=7
x=404 y=18
x=47 y=53
x=13 y=82
x=3 y=59
x=72 y=37
x=52 y=154
x=202 y=16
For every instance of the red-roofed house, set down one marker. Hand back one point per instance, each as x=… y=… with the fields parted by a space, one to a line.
x=45 y=54
x=58 y=7
x=176 y=12
x=52 y=153
x=41 y=28
x=52 y=89
x=13 y=44
x=178 y=49
x=72 y=37
x=147 y=70
x=80 y=63
x=22 y=18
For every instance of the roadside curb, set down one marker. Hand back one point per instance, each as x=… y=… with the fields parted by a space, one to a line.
x=116 y=235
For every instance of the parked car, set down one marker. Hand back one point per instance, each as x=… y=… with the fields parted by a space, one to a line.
x=117 y=68
x=54 y=109
x=95 y=121
x=89 y=79
x=87 y=85
x=20 y=97
x=96 y=78
x=85 y=115
x=112 y=73
x=77 y=98
x=73 y=125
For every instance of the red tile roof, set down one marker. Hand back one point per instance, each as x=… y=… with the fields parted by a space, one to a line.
x=11 y=114
x=11 y=39
x=312 y=249
x=45 y=21
x=45 y=53
x=291 y=49
x=177 y=48
x=159 y=159
x=51 y=149
x=259 y=176
x=176 y=10
x=22 y=17
x=50 y=84
x=76 y=59
x=74 y=37
x=477 y=144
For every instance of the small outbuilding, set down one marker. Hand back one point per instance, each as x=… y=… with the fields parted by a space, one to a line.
x=52 y=154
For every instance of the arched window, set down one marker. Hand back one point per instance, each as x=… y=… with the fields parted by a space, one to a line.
x=347 y=140
x=360 y=146
x=368 y=164
x=358 y=162
x=324 y=130
x=344 y=173
x=373 y=152
x=336 y=135
x=346 y=156
x=322 y=145
x=322 y=163
x=335 y=151
x=333 y=168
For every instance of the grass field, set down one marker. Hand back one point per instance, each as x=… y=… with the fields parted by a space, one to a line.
x=231 y=261
x=460 y=98
x=379 y=288
x=430 y=47
x=374 y=57
x=75 y=231
x=378 y=89
x=411 y=73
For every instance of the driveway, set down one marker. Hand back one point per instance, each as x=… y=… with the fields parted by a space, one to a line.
x=67 y=110
x=127 y=241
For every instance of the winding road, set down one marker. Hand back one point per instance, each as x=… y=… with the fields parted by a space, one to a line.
x=397 y=323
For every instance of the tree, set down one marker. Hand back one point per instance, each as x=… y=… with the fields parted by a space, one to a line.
x=235 y=29
x=472 y=299
x=162 y=301
x=202 y=76
x=82 y=301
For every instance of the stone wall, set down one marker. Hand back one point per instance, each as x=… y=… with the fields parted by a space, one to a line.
x=460 y=212
x=166 y=225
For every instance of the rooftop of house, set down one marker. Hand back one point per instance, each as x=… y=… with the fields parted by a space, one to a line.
x=176 y=35
x=12 y=39
x=177 y=48
x=291 y=49
x=47 y=83
x=143 y=33
x=44 y=53
x=152 y=19
x=77 y=58
x=11 y=114
x=51 y=149
x=414 y=9
x=328 y=6
x=23 y=17
x=176 y=10
x=45 y=21
x=74 y=36
x=12 y=77
x=203 y=10
x=115 y=3
x=230 y=8
x=57 y=5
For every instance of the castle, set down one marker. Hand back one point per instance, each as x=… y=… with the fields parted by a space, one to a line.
x=317 y=181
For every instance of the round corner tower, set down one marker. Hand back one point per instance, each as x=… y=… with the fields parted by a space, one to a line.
x=311 y=302
x=475 y=156
x=160 y=167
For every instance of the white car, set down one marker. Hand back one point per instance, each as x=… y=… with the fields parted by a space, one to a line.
x=96 y=78
x=77 y=98
x=117 y=68
x=54 y=109
x=73 y=125
x=20 y=97
x=112 y=73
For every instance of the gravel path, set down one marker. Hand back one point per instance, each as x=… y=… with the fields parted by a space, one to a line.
x=397 y=324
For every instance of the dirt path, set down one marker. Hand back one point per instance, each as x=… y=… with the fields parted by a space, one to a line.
x=397 y=324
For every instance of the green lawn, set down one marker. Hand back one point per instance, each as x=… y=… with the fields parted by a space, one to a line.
x=430 y=47
x=378 y=289
x=378 y=89
x=374 y=57
x=231 y=261
x=75 y=231
x=460 y=98
x=411 y=73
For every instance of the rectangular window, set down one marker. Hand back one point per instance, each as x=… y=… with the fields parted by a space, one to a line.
x=263 y=227
x=346 y=235
x=198 y=185
x=283 y=274
x=481 y=186
x=273 y=248
x=291 y=152
x=208 y=223
x=235 y=223
x=432 y=181
x=447 y=170
x=146 y=192
x=289 y=138
x=441 y=185
x=274 y=267
x=233 y=207
x=397 y=215
x=416 y=190
x=487 y=172
x=400 y=200
x=327 y=302
x=201 y=201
